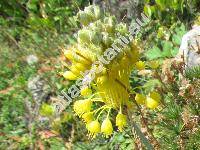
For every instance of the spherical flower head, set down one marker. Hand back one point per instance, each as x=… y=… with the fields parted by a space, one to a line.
x=94 y=128
x=140 y=99
x=151 y=103
x=106 y=127
x=140 y=65
x=87 y=117
x=82 y=106
x=86 y=91
x=121 y=121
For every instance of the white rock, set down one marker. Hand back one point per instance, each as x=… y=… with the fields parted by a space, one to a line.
x=190 y=48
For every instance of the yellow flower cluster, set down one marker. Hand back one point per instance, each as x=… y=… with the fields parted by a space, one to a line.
x=101 y=43
x=83 y=110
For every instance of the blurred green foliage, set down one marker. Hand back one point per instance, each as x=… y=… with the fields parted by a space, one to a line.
x=170 y=11
x=167 y=41
x=38 y=26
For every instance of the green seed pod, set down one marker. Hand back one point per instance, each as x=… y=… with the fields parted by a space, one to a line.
x=86 y=36
x=96 y=38
x=99 y=25
x=97 y=50
x=122 y=29
x=94 y=27
x=109 y=24
x=93 y=12
x=97 y=12
x=107 y=40
x=84 y=18
x=89 y=9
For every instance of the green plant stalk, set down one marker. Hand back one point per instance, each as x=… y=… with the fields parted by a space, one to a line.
x=137 y=130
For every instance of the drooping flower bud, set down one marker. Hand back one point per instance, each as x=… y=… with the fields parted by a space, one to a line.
x=94 y=128
x=82 y=106
x=106 y=127
x=106 y=39
x=121 y=121
x=56 y=124
x=140 y=99
x=155 y=95
x=86 y=91
x=86 y=36
x=87 y=117
x=151 y=103
x=77 y=68
x=93 y=11
x=69 y=75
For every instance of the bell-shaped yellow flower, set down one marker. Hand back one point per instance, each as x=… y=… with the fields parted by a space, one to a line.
x=140 y=99
x=93 y=127
x=155 y=95
x=106 y=127
x=86 y=91
x=121 y=121
x=153 y=100
x=87 y=117
x=82 y=106
x=151 y=103
x=76 y=68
